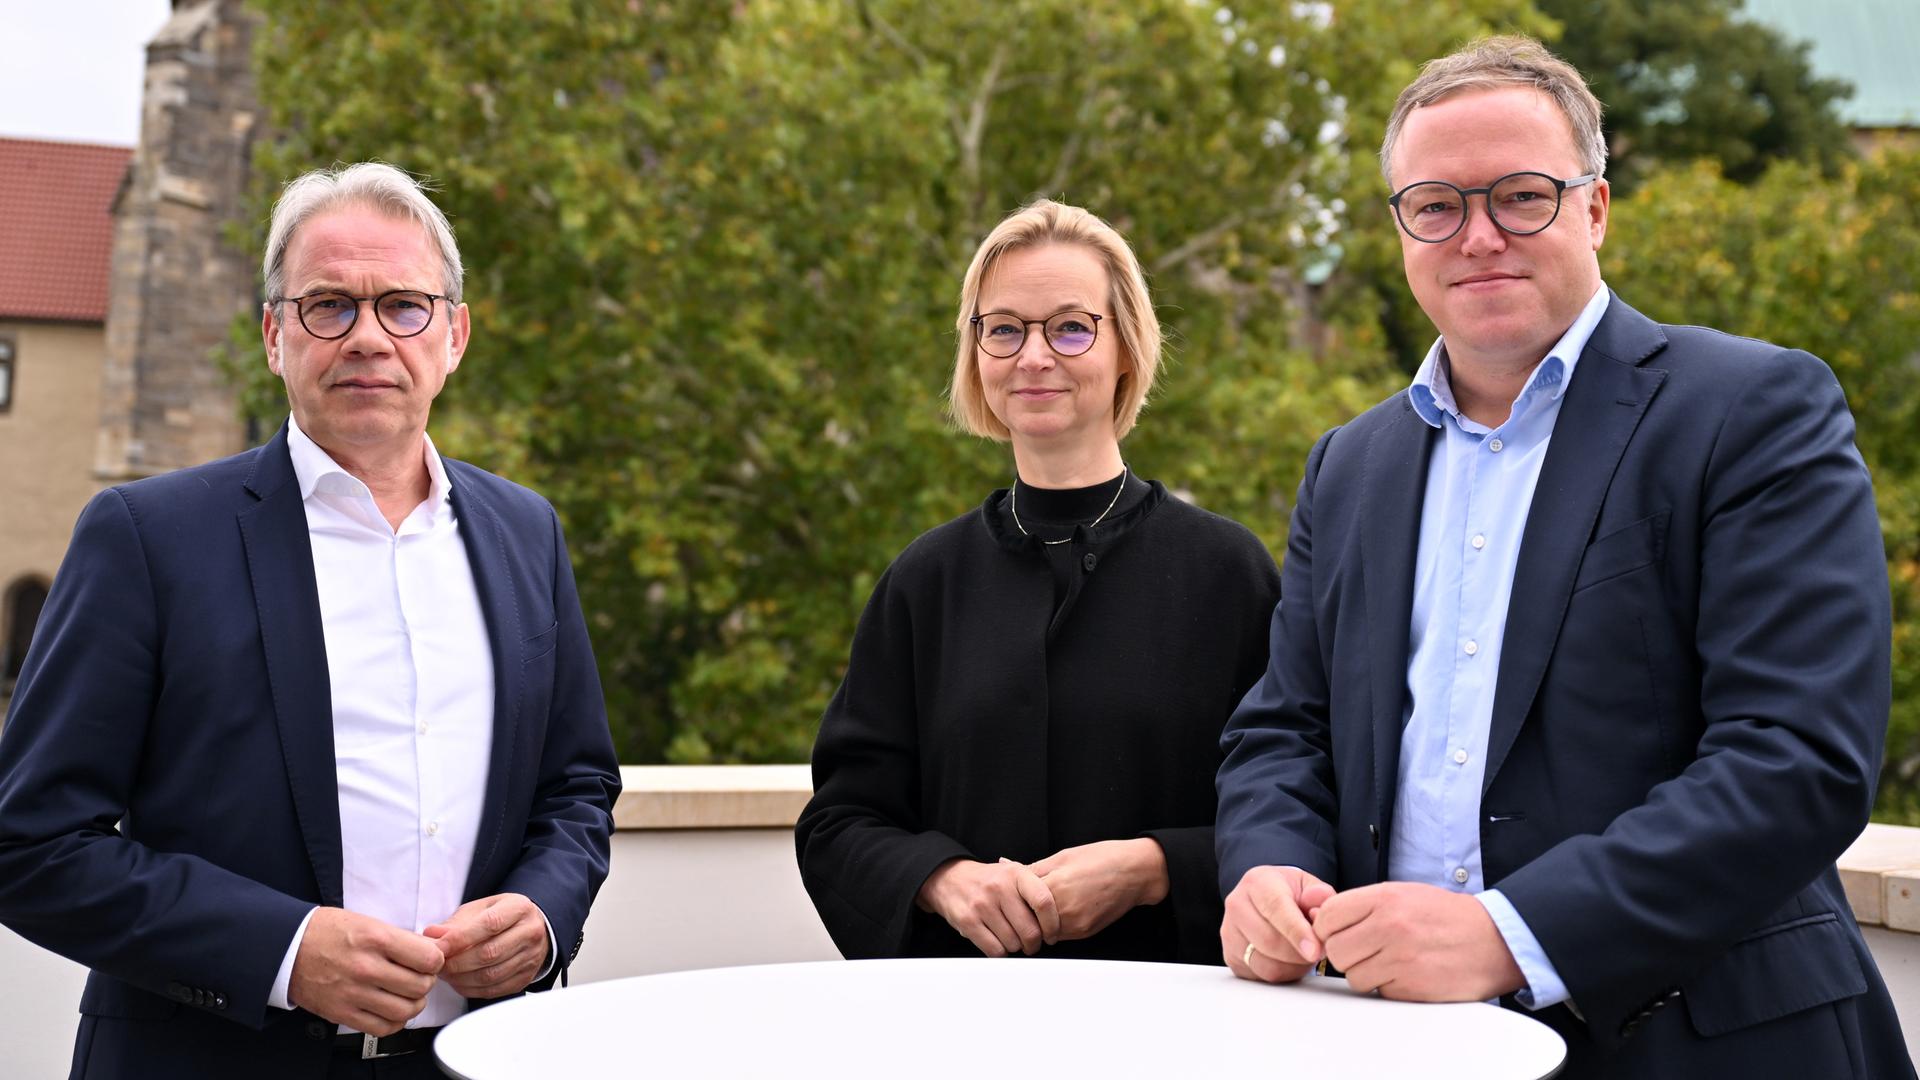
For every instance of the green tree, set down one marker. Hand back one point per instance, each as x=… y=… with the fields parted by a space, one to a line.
x=1680 y=80
x=1684 y=79
x=715 y=250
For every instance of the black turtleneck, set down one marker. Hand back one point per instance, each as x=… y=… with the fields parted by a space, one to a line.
x=1005 y=697
x=1053 y=513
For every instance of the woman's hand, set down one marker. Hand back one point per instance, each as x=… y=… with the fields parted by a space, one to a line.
x=1002 y=907
x=1094 y=884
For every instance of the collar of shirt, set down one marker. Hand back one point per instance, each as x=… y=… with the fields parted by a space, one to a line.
x=321 y=476
x=1432 y=390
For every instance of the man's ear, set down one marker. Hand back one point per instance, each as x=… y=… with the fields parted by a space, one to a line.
x=272 y=337
x=1598 y=203
x=457 y=339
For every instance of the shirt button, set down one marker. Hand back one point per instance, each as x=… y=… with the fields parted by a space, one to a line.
x=1479 y=541
x=1460 y=874
x=433 y=828
x=1459 y=757
x=1473 y=648
x=423 y=727
x=1496 y=445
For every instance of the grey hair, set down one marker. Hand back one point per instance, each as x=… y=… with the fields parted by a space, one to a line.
x=1494 y=63
x=373 y=184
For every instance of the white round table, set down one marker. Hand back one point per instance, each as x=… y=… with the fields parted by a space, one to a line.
x=966 y=1018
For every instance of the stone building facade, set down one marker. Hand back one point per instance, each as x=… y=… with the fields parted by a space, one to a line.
x=119 y=286
x=56 y=200
x=177 y=279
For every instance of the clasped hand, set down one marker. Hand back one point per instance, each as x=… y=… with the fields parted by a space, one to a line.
x=1410 y=942
x=1009 y=907
x=356 y=970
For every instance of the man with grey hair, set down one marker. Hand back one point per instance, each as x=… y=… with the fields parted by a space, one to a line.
x=1581 y=678
x=336 y=692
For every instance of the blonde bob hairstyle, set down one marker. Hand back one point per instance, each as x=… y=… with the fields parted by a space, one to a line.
x=1038 y=224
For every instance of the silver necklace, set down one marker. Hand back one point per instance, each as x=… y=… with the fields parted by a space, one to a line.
x=1013 y=504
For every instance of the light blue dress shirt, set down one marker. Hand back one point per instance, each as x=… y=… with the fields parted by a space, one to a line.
x=1479 y=486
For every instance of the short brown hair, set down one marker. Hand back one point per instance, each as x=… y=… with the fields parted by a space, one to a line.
x=1038 y=224
x=1496 y=62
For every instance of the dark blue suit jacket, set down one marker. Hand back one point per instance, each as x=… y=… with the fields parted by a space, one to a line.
x=1688 y=716
x=178 y=687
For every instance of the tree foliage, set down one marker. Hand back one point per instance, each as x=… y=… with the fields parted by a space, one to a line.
x=1688 y=79
x=713 y=254
x=715 y=250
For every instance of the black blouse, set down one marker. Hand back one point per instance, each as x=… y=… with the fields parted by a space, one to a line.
x=988 y=711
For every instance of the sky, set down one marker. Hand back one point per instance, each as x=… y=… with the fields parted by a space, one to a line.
x=74 y=70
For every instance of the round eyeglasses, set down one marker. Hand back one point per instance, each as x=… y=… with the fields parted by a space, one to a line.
x=331 y=315
x=1520 y=204
x=1004 y=334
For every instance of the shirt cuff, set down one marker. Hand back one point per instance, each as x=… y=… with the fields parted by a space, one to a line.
x=277 y=998
x=1544 y=986
x=553 y=947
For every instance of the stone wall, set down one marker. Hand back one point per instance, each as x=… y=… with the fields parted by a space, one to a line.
x=177 y=283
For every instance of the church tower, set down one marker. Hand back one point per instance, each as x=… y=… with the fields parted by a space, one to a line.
x=177 y=280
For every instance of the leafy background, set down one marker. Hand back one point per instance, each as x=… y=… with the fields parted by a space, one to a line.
x=714 y=251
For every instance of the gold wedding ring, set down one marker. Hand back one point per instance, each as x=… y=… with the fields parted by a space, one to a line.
x=1246 y=958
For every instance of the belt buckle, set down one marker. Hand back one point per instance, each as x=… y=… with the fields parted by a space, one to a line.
x=370 y=1048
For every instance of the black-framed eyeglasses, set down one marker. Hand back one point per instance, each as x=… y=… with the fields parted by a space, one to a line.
x=1004 y=334
x=1521 y=203
x=329 y=315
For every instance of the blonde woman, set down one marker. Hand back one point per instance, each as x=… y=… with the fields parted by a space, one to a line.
x=1021 y=756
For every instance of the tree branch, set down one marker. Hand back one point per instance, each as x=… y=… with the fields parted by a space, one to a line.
x=1070 y=150
x=973 y=131
x=894 y=37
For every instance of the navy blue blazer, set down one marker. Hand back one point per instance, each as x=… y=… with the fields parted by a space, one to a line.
x=1688 y=717
x=178 y=687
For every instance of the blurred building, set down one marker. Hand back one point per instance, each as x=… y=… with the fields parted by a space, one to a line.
x=1869 y=43
x=119 y=285
x=56 y=242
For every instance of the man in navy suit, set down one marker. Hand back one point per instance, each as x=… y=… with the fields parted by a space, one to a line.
x=1581 y=675
x=309 y=755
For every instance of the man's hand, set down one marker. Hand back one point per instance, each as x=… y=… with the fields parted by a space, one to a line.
x=1272 y=909
x=1417 y=943
x=1003 y=908
x=1094 y=884
x=494 y=946
x=355 y=970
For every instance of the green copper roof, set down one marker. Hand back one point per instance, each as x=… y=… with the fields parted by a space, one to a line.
x=1869 y=43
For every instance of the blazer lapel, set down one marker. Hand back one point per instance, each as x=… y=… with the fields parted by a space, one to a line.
x=287 y=603
x=1609 y=394
x=1393 y=494
x=481 y=533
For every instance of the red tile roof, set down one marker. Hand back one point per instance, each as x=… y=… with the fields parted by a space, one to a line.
x=56 y=228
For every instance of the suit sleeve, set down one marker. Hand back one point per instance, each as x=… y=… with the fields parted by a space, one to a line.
x=1793 y=641
x=863 y=855
x=1193 y=870
x=1275 y=783
x=567 y=846
x=69 y=764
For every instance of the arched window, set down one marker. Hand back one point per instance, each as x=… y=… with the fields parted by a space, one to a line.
x=19 y=613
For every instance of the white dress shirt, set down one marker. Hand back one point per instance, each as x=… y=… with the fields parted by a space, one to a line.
x=411 y=673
